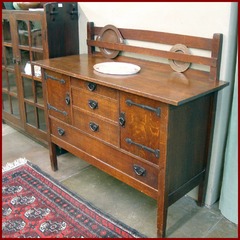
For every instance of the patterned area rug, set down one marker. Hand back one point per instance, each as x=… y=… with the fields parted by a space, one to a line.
x=34 y=205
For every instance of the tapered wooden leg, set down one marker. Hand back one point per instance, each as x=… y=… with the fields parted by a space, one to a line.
x=162 y=205
x=203 y=184
x=53 y=156
x=161 y=222
x=201 y=194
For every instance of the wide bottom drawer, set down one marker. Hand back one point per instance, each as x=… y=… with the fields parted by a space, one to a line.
x=101 y=152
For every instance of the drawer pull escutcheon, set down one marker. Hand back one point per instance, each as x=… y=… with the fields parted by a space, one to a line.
x=91 y=86
x=50 y=107
x=155 y=152
x=156 y=110
x=140 y=171
x=92 y=104
x=67 y=99
x=122 y=119
x=93 y=126
x=46 y=76
x=60 y=131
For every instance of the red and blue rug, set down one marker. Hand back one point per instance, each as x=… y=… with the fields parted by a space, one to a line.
x=34 y=205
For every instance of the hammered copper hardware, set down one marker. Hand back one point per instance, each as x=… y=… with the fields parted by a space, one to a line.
x=156 y=110
x=93 y=126
x=67 y=99
x=140 y=171
x=92 y=104
x=47 y=76
x=91 y=86
x=155 y=152
x=60 y=131
x=122 y=119
x=50 y=107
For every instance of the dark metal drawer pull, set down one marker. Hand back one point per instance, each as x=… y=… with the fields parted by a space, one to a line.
x=67 y=99
x=122 y=119
x=155 y=152
x=140 y=171
x=93 y=126
x=156 y=110
x=60 y=131
x=92 y=104
x=91 y=86
x=50 y=107
x=46 y=76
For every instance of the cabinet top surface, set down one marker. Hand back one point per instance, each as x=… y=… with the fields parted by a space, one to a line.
x=155 y=80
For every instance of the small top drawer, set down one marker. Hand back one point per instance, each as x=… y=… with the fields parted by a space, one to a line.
x=95 y=88
x=58 y=95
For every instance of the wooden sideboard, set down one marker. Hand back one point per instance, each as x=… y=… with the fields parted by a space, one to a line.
x=152 y=130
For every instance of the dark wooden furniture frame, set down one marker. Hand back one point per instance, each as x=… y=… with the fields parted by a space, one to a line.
x=181 y=133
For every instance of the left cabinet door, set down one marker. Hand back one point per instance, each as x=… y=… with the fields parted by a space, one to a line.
x=10 y=86
x=24 y=43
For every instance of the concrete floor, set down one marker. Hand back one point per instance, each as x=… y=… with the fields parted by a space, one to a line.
x=185 y=218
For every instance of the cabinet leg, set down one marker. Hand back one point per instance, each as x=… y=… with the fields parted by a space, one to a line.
x=161 y=221
x=53 y=156
x=201 y=194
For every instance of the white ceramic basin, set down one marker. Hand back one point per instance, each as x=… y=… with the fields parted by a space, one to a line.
x=117 y=68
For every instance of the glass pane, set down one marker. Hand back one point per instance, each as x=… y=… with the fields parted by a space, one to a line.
x=28 y=89
x=12 y=82
x=41 y=119
x=6 y=30
x=15 y=107
x=39 y=92
x=37 y=56
x=9 y=57
x=23 y=32
x=36 y=34
x=25 y=62
x=30 y=114
x=5 y=103
x=37 y=71
x=4 y=80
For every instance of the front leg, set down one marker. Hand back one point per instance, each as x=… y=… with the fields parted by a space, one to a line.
x=53 y=156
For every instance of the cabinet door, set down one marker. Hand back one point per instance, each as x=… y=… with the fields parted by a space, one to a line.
x=10 y=90
x=30 y=47
x=58 y=95
x=140 y=132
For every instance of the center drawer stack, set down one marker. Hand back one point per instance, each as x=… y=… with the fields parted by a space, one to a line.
x=95 y=110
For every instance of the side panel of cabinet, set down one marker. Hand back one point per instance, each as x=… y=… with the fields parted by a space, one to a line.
x=188 y=145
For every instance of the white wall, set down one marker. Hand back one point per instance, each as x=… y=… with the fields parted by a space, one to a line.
x=190 y=18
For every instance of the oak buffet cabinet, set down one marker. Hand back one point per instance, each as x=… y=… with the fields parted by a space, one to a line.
x=28 y=36
x=153 y=129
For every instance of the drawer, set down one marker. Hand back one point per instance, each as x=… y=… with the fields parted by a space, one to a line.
x=95 y=88
x=120 y=161
x=104 y=130
x=95 y=103
x=58 y=95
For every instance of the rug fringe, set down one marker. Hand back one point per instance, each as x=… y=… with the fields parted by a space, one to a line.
x=16 y=163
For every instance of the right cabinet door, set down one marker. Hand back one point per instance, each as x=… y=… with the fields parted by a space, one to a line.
x=140 y=120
